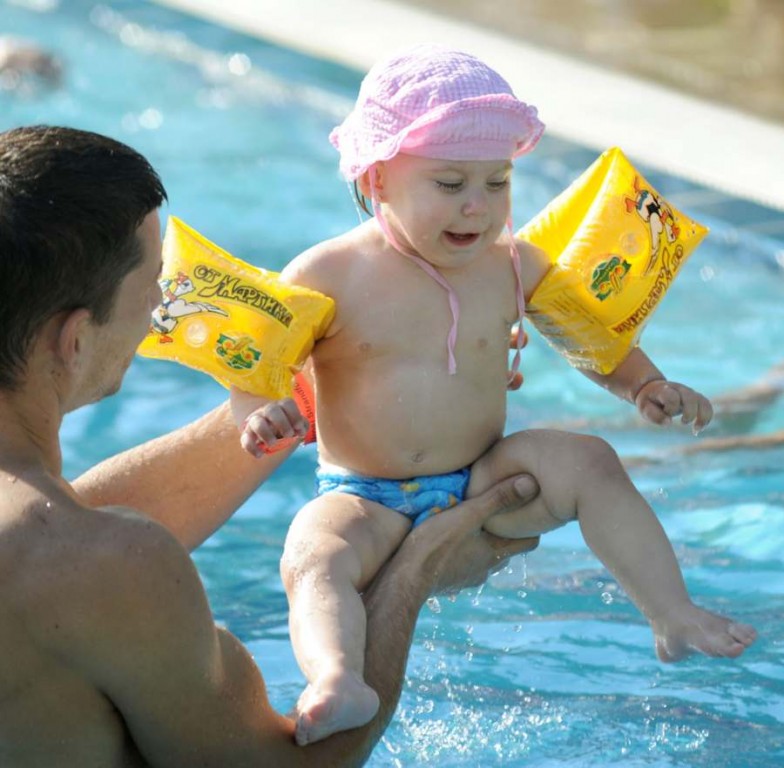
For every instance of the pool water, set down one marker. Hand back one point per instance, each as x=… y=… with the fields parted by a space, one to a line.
x=548 y=664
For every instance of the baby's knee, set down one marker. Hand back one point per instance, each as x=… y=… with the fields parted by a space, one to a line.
x=595 y=456
x=307 y=563
x=296 y=564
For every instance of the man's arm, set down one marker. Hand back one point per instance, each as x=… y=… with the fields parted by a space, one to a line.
x=190 y=694
x=191 y=480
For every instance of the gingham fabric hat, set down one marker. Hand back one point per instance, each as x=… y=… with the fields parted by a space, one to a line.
x=434 y=102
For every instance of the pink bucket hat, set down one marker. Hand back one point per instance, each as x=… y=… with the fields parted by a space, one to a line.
x=434 y=102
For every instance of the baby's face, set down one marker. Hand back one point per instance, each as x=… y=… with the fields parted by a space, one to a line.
x=449 y=212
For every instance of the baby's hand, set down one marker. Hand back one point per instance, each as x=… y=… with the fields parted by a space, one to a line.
x=273 y=427
x=659 y=400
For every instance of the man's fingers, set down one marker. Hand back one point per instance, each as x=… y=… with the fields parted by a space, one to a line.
x=502 y=497
x=507 y=548
x=453 y=548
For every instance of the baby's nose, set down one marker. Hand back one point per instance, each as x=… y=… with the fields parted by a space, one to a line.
x=476 y=203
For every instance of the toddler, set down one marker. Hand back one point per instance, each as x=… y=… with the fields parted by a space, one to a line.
x=411 y=381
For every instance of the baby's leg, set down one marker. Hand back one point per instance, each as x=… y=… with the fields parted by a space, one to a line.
x=581 y=477
x=334 y=548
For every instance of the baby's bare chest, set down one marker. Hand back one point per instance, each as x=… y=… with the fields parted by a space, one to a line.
x=414 y=318
x=421 y=338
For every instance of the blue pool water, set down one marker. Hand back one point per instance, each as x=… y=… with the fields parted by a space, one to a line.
x=548 y=664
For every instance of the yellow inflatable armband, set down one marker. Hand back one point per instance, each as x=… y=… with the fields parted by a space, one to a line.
x=236 y=322
x=616 y=246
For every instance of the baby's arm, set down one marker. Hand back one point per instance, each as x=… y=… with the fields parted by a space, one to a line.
x=266 y=425
x=638 y=381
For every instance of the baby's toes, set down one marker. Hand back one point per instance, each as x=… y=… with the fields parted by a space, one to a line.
x=743 y=633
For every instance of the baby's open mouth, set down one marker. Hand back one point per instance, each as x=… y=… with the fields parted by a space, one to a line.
x=461 y=238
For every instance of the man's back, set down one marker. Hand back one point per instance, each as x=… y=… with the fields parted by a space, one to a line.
x=49 y=582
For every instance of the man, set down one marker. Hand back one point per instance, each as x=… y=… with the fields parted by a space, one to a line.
x=109 y=655
x=24 y=66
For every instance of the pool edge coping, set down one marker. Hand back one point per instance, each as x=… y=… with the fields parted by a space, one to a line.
x=690 y=145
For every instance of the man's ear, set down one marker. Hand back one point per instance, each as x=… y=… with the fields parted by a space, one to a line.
x=73 y=338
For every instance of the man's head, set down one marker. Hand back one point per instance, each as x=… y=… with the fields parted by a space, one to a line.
x=71 y=205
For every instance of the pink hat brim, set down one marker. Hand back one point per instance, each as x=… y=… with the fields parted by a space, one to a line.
x=490 y=127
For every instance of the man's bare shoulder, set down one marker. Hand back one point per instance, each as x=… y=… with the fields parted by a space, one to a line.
x=84 y=576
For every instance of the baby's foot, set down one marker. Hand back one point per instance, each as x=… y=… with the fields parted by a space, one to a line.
x=690 y=629
x=334 y=703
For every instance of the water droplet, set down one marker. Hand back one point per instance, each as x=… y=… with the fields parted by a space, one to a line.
x=607 y=598
x=239 y=64
x=151 y=119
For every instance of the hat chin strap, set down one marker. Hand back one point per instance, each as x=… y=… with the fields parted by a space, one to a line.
x=454 y=304
x=519 y=296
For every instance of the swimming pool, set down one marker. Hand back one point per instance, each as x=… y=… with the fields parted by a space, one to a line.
x=547 y=665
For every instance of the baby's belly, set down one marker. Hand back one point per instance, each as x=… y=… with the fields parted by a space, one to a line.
x=386 y=429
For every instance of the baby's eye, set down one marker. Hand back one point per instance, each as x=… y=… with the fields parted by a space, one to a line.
x=496 y=185
x=449 y=186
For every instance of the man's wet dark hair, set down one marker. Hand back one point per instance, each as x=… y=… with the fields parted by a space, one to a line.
x=71 y=202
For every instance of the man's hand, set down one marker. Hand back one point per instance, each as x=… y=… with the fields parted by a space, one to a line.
x=660 y=400
x=451 y=551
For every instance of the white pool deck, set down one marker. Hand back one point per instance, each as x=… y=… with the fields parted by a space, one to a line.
x=713 y=145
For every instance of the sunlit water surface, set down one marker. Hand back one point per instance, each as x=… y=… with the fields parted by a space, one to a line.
x=548 y=664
